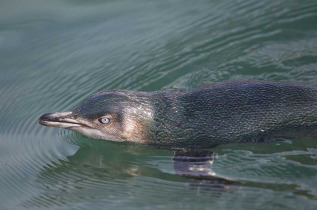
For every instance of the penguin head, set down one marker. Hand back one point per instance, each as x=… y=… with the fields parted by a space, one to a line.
x=108 y=115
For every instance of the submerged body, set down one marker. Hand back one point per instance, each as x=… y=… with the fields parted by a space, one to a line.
x=224 y=112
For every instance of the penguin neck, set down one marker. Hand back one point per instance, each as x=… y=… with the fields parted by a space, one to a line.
x=137 y=117
x=149 y=117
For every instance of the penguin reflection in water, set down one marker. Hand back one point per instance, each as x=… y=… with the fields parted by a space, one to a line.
x=221 y=113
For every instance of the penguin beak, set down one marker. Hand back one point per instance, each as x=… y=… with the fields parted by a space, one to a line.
x=61 y=120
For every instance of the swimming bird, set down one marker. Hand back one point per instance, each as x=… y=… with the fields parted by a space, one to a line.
x=220 y=113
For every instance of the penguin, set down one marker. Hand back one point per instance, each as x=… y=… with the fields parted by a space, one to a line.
x=220 y=113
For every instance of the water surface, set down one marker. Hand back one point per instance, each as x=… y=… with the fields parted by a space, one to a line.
x=54 y=54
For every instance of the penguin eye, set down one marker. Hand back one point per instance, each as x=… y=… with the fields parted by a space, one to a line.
x=104 y=120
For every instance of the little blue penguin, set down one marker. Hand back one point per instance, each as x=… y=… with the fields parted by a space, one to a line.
x=220 y=113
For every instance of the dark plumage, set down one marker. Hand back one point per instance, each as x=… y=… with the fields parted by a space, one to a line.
x=224 y=112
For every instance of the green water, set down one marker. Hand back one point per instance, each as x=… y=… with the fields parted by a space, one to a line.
x=55 y=53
